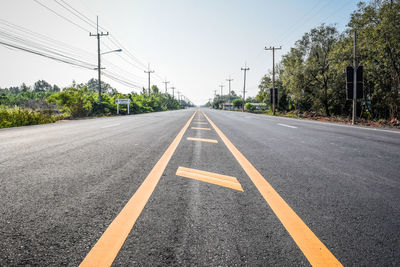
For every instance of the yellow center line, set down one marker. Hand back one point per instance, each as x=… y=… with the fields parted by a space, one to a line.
x=313 y=249
x=199 y=128
x=202 y=140
x=109 y=244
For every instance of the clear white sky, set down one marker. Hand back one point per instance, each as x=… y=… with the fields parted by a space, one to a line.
x=196 y=44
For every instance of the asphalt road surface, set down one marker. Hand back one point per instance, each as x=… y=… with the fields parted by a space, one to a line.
x=243 y=190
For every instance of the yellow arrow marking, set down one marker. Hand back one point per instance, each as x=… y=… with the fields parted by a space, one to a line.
x=199 y=128
x=202 y=140
x=210 y=177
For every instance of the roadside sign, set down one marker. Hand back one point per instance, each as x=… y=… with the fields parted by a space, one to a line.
x=122 y=101
x=126 y=101
x=350 y=82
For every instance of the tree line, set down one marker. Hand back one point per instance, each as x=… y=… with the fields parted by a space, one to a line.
x=311 y=76
x=43 y=103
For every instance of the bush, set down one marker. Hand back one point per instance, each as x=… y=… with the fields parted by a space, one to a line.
x=17 y=116
x=237 y=103
x=249 y=107
x=76 y=102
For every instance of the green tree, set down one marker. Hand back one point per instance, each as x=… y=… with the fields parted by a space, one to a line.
x=237 y=103
x=76 y=101
x=42 y=86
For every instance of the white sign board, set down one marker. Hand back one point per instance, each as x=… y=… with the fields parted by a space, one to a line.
x=126 y=101
x=120 y=101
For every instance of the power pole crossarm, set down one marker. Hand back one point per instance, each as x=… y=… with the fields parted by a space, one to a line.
x=273 y=75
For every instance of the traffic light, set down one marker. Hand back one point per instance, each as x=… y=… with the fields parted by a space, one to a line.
x=350 y=82
x=271 y=94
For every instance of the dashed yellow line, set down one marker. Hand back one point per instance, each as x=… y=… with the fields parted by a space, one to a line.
x=210 y=177
x=203 y=140
x=313 y=249
x=107 y=247
x=199 y=128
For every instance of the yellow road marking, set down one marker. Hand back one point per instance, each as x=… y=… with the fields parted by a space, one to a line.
x=107 y=247
x=203 y=140
x=313 y=249
x=199 y=128
x=210 y=177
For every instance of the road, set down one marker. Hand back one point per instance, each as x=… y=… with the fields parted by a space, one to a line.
x=243 y=190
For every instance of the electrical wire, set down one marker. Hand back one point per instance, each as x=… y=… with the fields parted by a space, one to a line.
x=61 y=16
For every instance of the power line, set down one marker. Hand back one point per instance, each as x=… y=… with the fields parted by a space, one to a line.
x=44 y=55
x=79 y=16
x=61 y=16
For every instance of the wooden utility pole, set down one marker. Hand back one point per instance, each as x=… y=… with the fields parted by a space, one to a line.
x=229 y=92
x=98 y=35
x=166 y=83
x=149 y=72
x=245 y=69
x=353 y=121
x=273 y=75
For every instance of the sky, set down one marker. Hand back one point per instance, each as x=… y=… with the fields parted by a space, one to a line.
x=195 y=44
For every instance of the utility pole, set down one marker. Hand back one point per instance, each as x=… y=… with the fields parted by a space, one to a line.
x=173 y=89
x=273 y=75
x=229 y=92
x=353 y=121
x=222 y=86
x=149 y=72
x=166 y=83
x=98 y=34
x=245 y=69
x=215 y=93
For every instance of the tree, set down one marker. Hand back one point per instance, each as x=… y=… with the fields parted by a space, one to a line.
x=377 y=25
x=42 y=86
x=306 y=69
x=237 y=103
x=93 y=85
x=76 y=101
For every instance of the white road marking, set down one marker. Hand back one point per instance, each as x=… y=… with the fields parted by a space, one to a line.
x=326 y=123
x=281 y=124
x=111 y=125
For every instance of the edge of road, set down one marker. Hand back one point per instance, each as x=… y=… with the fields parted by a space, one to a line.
x=325 y=123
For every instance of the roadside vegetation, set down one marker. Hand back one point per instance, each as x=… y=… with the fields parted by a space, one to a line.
x=45 y=103
x=311 y=77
